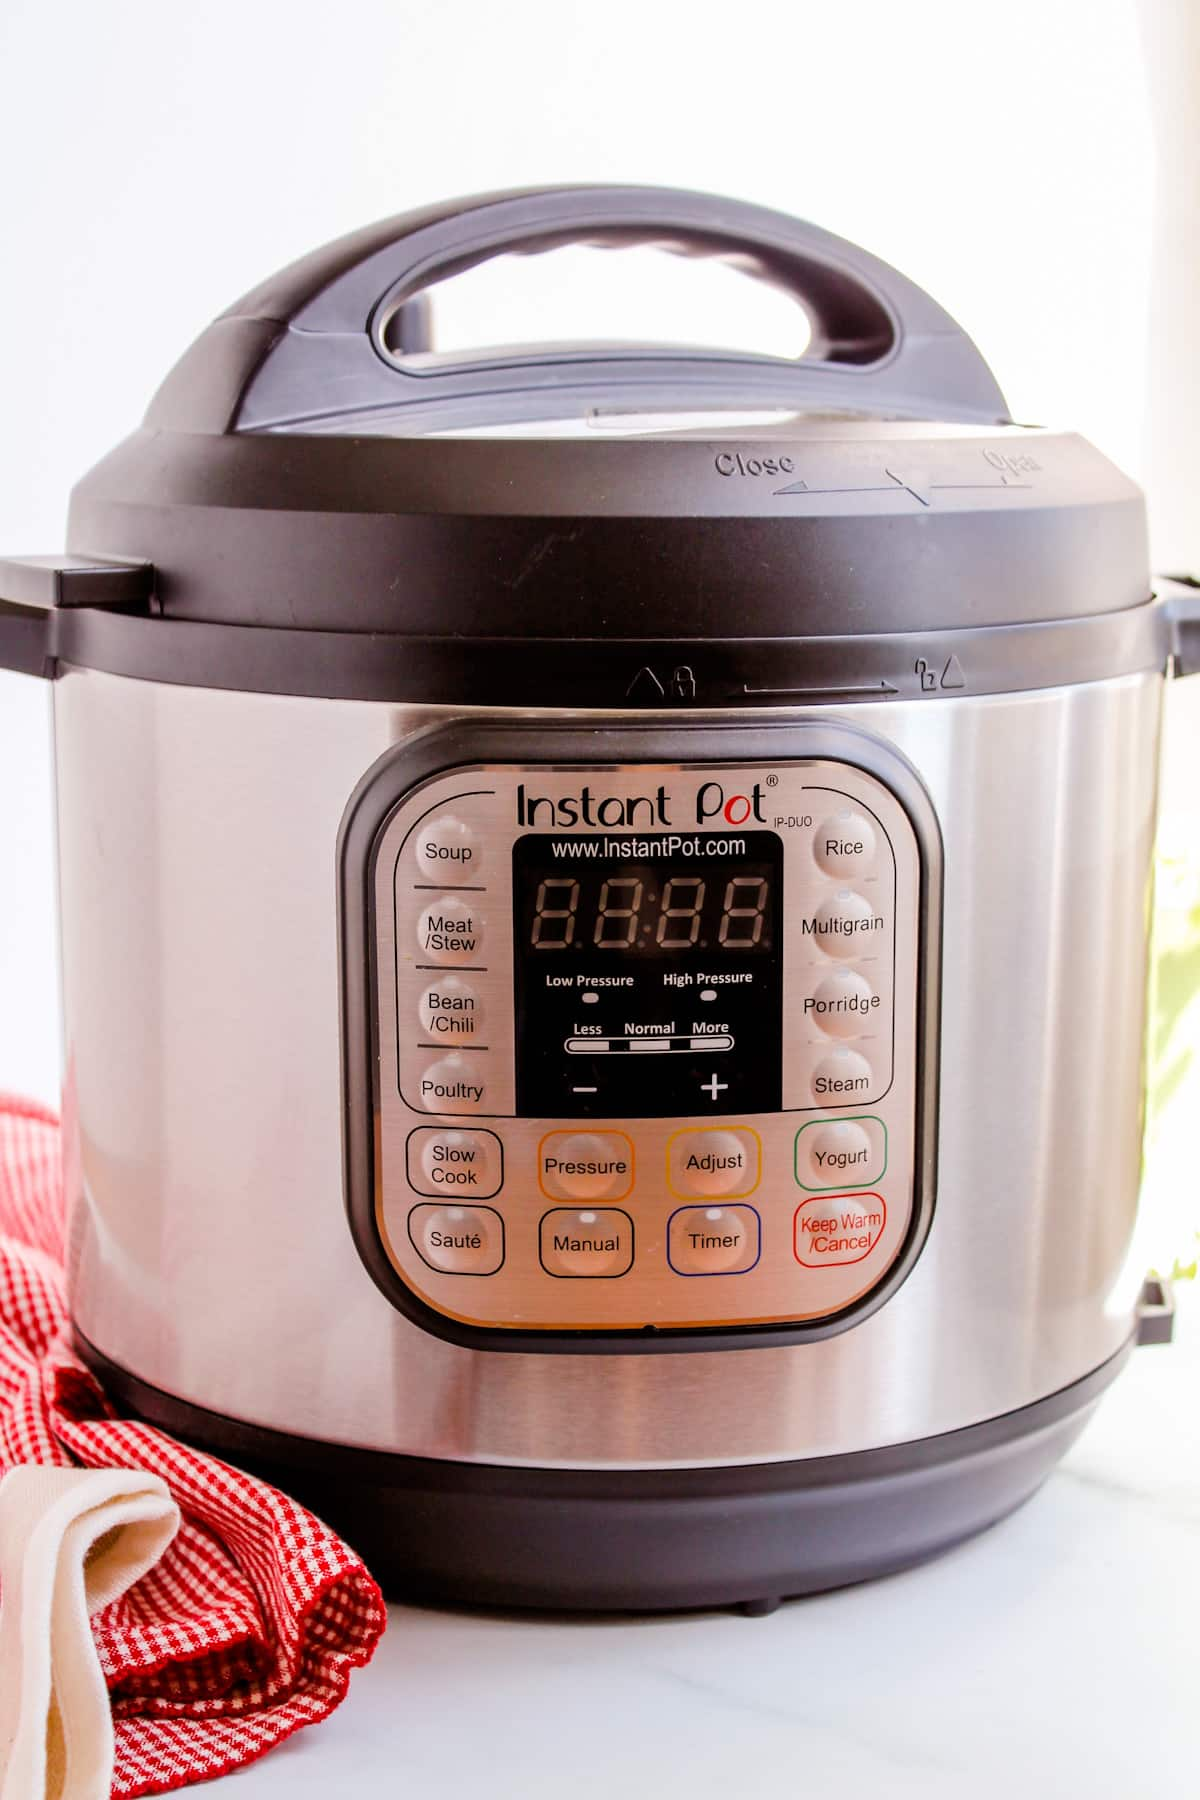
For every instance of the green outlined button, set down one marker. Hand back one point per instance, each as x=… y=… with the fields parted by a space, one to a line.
x=840 y=1153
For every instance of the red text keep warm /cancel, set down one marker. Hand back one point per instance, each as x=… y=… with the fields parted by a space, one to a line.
x=832 y=1229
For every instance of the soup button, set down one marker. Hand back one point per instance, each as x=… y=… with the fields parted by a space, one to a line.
x=594 y=1243
x=458 y=1240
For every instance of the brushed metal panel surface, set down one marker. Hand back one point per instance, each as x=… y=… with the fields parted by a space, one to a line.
x=209 y=1250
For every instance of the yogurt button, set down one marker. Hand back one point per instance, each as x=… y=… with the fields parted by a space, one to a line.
x=842 y=1077
x=844 y=843
x=843 y=1005
x=446 y=849
x=450 y=930
x=846 y=925
x=451 y=1011
x=841 y=1153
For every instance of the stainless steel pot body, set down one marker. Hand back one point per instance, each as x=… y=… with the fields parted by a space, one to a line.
x=209 y=1250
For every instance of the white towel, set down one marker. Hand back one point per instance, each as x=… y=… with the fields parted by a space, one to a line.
x=71 y=1540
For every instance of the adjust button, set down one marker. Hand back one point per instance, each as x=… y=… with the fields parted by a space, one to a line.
x=585 y=1165
x=713 y=1240
x=844 y=843
x=446 y=1161
x=723 y=1162
x=450 y=930
x=458 y=1240
x=594 y=1244
x=446 y=850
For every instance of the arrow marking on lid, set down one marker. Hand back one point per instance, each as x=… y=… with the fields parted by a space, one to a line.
x=867 y=687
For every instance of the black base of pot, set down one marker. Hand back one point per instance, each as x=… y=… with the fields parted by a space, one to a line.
x=644 y=1540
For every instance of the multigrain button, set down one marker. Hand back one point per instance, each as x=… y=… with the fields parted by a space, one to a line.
x=446 y=850
x=841 y=1153
x=458 y=1240
x=713 y=1240
x=594 y=1244
x=722 y=1162
x=844 y=843
x=455 y=1084
x=450 y=930
x=841 y=1077
x=843 y=1004
x=451 y=1011
x=585 y=1165
x=845 y=925
x=466 y=1163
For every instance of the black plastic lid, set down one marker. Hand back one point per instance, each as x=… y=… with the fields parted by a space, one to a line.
x=310 y=466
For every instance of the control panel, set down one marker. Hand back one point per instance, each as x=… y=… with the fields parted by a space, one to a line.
x=646 y=1042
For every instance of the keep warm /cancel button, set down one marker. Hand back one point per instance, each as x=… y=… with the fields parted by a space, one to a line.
x=832 y=1229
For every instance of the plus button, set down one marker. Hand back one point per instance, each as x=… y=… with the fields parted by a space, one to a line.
x=713 y=1087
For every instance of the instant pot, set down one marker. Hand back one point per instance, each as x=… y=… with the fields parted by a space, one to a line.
x=604 y=914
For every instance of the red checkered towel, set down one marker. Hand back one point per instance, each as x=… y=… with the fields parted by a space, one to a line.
x=250 y=1625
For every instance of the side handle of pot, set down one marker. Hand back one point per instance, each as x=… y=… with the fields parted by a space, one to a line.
x=35 y=590
x=1181 y=596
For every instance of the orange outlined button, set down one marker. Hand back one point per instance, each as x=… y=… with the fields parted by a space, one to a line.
x=585 y=1165
x=834 y=1229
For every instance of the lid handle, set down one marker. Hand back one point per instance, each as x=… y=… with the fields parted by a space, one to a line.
x=335 y=335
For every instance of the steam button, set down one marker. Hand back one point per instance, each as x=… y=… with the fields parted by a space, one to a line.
x=841 y=1078
x=844 y=843
x=446 y=849
x=450 y=930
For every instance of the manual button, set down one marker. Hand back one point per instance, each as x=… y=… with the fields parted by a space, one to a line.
x=595 y=1243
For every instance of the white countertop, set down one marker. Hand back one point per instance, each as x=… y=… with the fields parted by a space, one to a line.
x=1057 y=1657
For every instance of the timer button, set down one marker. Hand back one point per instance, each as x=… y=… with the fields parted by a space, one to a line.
x=713 y=1240
x=595 y=1244
x=843 y=1004
x=446 y=849
x=841 y=1077
x=456 y=1084
x=713 y=1162
x=458 y=1240
x=585 y=1165
x=844 y=843
x=450 y=930
x=846 y=925
x=451 y=1011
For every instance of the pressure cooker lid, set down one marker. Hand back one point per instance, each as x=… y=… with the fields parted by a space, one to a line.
x=313 y=464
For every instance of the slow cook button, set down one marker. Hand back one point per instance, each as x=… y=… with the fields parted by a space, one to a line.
x=593 y=1244
x=834 y=1229
x=450 y=930
x=451 y=1011
x=843 y=1004
x=458 y=1240
x=845 y=925
x=585 y=1165
x=841 y=1078
x=722 y=1162
x=841 y=1153
x=844 y=843
x=446 y=850
x=456 y=1084
x=466 y=1163
x=713 y=1240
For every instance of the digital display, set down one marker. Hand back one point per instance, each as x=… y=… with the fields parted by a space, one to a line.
x=648 y=973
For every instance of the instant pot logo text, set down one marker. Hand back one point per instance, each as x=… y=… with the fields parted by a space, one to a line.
x=711 y=801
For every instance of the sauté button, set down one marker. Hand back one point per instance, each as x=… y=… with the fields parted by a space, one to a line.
x=585 y=1165
x=846 y=925
x=841 y=1077
x=844 y=843
x=456 y=1084
x=713 y=1240
x=458 y=1240
x=445 y=1161
x=446 y=849
x=713 y=1162
x=451 y=1010
x=841 y=1153
x=592 y=1244
x=843 y=1004
x=450 y=930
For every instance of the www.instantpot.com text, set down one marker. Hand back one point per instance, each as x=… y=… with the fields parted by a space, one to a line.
x=645 y=849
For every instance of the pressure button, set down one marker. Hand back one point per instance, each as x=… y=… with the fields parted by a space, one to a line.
x=585 y=1165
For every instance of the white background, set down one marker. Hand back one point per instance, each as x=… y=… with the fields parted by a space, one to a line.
x=1034 y=165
